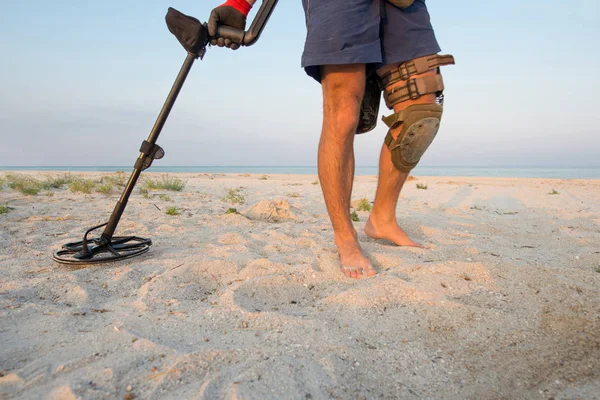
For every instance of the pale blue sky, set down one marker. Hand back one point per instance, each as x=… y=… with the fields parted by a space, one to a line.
x=81 y=83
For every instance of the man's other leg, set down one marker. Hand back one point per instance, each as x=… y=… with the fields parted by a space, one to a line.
x=382 y=223
x=343 y=88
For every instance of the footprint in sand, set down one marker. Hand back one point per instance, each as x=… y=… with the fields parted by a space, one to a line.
x=276 y=294
x=272 y=378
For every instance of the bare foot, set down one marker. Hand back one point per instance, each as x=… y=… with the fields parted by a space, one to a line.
x=391 y=232
x=354 y=263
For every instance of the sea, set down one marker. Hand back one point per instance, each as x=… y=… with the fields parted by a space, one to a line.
x=504 y=172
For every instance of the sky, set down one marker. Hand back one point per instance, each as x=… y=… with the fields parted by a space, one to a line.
x=82 y=82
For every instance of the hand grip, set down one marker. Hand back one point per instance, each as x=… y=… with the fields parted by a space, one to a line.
x=249 y=37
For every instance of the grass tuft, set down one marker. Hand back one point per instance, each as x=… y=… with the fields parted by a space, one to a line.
x=354 y=216
x=4 y=209
x=422 y=186
x=598 y=269
x=117 y=179
x=315 y=182
x=231 y=211
x=164 y=197
x=234 y=196
x=57 y=182
x=24 y=184
x=554 y=192
x=145 y=192
x=172 y=211
x=263 y=178
x=363 y=205
x=166 y=183
x=82 y=185
x=104 y=188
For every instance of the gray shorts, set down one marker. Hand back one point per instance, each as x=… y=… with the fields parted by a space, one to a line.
x=372 y=32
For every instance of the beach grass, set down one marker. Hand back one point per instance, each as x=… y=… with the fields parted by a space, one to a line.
x=82 y=185
x=24 y=184
x=354 y=216
x=422 y=186
x=117 y=179
x=166 y=183
x=234 y=196
x=363 y=205
x=56 y=182
x=4 y=209
x=104 y=188
x=554 y=191
x=172 y=211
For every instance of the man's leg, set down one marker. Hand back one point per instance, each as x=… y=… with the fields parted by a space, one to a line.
x=343 y=88
x=382 y=222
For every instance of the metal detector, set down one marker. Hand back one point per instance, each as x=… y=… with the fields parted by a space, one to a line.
x=193 y=36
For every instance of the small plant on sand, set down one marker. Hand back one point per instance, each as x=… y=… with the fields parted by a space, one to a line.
x=4 y=209
x=231 y=211
x=24 y=184
x=315 y=182
x=263 y=178
x=164 y=197
x=166 y=183
x=2 y=182
x=104 y=188
x=172 y=211
x=117 y=179
x=554 y=192
x=293 y=194
x=234 y=196
x=422 y=186
x=145 y=192
x=363 y=205
x=82 y=185
x=598 y=269
x=354 y=216
x=56 y=182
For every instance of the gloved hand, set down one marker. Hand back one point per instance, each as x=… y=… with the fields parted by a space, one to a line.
x=232 y=13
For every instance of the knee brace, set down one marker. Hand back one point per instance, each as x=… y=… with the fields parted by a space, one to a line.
x=419 y=123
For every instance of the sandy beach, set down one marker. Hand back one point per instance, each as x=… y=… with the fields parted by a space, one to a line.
x=505 y=304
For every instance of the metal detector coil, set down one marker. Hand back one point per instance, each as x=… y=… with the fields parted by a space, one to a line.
x=193 y=36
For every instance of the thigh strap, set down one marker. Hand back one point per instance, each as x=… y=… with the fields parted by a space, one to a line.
x=415 y=67
x=414 y=88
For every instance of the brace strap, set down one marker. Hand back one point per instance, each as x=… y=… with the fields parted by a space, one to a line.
x=415 y=67
x=395 y=119
x=413 y=89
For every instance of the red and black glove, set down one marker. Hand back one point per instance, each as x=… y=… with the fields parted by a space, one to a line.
x=232 y=13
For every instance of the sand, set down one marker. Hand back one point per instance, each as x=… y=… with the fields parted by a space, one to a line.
x=251 y=305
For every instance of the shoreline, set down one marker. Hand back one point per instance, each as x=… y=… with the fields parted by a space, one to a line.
x=481 y=172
